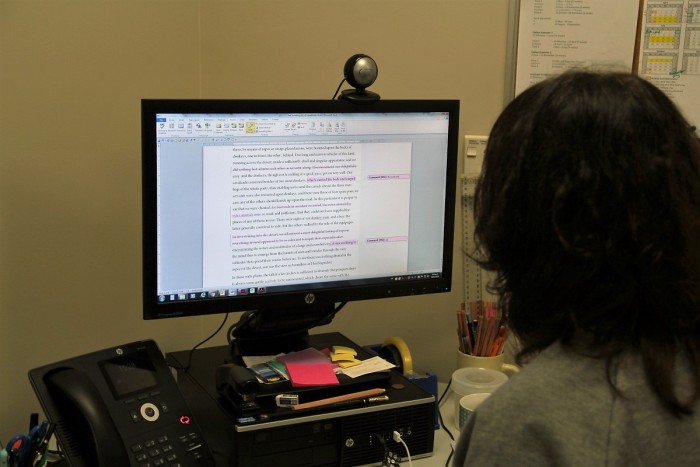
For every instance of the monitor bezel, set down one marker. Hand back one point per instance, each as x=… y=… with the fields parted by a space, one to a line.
x=329 y=294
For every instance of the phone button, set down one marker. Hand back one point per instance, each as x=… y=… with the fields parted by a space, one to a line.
x=150 y=412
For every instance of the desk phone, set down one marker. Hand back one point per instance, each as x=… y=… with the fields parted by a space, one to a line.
x=119 y=407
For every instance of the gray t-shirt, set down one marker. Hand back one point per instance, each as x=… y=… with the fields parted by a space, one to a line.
x=560 y=410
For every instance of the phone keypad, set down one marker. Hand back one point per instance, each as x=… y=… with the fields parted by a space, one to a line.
x=159 y=451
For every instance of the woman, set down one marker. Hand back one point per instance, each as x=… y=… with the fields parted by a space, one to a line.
x=588 y=211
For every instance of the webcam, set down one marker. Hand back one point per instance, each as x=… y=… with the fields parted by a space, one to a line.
x=360 y=72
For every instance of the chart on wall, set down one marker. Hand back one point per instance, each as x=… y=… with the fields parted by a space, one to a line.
x=669 y=51
x=557 y=35
x=658 y=39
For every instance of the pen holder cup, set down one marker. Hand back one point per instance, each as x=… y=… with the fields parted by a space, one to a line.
x=466 y=381
x=493 y=363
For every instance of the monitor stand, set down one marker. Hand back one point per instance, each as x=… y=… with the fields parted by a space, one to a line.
x=277 y=330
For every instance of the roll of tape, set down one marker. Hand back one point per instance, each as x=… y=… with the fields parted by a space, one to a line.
x=404 y=355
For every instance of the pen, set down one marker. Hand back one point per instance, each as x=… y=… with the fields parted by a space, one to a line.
x=471 y=330
x=21 y=449
x=488 y=334
x=463 y=335
x=42 y=449
x=353 y=402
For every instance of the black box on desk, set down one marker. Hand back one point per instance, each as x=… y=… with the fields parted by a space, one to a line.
x=333 y=437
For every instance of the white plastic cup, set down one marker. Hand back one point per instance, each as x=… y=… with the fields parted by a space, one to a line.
x=471 y=380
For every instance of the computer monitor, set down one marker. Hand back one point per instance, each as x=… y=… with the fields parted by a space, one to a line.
x=285 y=209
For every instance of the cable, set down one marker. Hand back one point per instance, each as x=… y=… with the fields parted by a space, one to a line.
x=442 y=423
x=240 y=323
x=397 y=437
x=336 y=91
x=186 y=368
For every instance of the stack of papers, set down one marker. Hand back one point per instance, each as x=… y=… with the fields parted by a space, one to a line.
x=312 y=367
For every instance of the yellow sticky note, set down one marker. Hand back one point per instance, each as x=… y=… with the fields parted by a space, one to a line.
x=341 y=349
x=339 y=357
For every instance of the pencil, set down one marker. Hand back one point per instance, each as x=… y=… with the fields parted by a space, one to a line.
x=342 y=398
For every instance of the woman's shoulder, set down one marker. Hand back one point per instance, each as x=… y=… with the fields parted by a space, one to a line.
x=548 y=412
x=557 y=376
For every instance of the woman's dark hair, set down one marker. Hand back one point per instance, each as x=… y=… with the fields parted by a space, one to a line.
x=588 y=211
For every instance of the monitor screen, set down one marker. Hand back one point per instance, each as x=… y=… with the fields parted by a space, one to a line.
x=294 y=205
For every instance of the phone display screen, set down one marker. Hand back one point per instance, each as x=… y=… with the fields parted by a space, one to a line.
x=129 y=374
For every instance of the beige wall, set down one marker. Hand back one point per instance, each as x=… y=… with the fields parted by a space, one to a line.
x=72 y=74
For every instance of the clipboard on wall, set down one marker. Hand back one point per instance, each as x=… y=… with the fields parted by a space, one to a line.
x=659 y=40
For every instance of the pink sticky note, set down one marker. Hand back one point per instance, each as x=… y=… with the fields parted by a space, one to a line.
x=309 y=367
x=311 y=374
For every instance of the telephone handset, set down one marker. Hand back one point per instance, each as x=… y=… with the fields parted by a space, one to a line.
x=119 y=407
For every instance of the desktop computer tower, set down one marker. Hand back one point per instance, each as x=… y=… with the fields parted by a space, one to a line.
x=352 y=436
x=344 y=438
